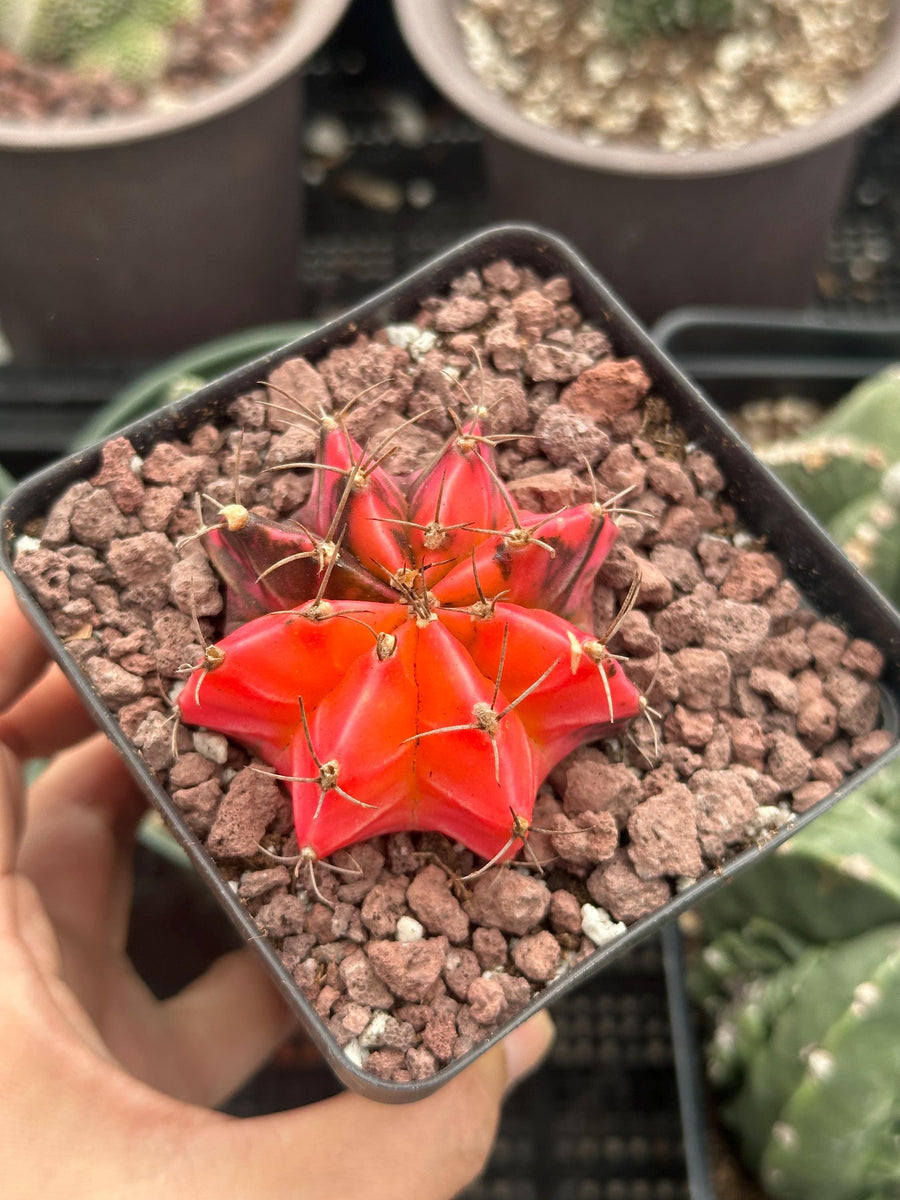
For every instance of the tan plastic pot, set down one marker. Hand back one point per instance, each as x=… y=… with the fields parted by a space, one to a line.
x=741 y=226
x=150 y=232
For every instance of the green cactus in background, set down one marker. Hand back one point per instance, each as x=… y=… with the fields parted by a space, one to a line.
x=801 y=975
x=632 y=20
x=126 y=38
x=816 y=1060
x=846 y=470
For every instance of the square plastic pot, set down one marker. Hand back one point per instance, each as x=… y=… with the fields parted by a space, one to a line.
x=825 y=577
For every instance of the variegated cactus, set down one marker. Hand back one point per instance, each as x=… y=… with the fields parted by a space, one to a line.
x=410 y=659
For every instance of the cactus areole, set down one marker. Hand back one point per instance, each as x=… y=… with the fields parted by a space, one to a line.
x=410 y=659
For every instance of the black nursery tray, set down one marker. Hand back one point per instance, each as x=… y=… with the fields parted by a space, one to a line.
x=764 y=506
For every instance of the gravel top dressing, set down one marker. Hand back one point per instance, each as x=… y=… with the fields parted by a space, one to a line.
x=752 y=708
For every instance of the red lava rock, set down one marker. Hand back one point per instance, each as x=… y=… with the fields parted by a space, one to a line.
x=565 y=912
x=663 y=833
x=166 y=463
x=410 y=969
x=509 y=901
x=808 y=794
x=827 y=643
x=145 y=558
x=752 y=577
x=254 y=884
x=779 y=688
x=490 y=947
x=364 y=858
x=704 y=677
x=857 y=701
x=486 y=1000
x=362 y=983
x=46 y=574
x=388 y=1064
x=695 y=729
x=867 y=748
x=717 y=556
x=567 y=438
x=724 y=806
x=679 y=566
x=703 y=469
x=621 y=469
x=608 y=389
x=585 y=849
x=461 y=968
x=118 y=475
x=440 y=1036
x=788 y=653
x=282 y=916
x=817 y=721
x=547 y=492
x=670 y=480
x=462 y=312
x=113 y=683
x=198 y=805
x=789 y=762
x=245 y=813
x=193 y=586
x=656 y=590
x=325 y=1000
x=682 y=623
x=502 y=275
x=96 y=519
x=383 y=906
x=350 y=1019
x=431 y=900
x=505 y=345
x=158 y=506
x=680 y=526
x=534 y=313
x=620 y=890
x=537 y=956
x=516 y=989
x=559 y=363
x=421 y=1063
x=863 y=657
x=299 y=378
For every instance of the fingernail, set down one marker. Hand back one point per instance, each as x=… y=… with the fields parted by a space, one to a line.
x=527 y=1046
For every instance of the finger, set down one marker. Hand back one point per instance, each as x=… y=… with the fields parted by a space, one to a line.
x=49 y=717
x=349 y=1146
x=76 y=847
x=224 y=1026
x=22 y=655
x=11 y=806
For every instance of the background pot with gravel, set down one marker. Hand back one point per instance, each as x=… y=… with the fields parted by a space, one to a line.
x=411 y=960
x=718 y=223
x=142 y=220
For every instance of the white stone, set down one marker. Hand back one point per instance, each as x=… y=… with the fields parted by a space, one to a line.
x=373 y=1034
x=409 y=930
x=598 y=925
x=212 y=746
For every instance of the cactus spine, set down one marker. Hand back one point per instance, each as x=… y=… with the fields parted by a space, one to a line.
x=409 y=658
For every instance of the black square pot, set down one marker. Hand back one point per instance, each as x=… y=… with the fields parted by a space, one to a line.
x=825 y=578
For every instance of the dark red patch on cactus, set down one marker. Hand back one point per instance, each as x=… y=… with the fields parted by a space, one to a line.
x=410 y=662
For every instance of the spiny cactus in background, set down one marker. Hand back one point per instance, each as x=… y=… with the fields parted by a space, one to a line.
x=801 y=975
x=812 y=1058
x=632 y=20
x=846 y=470
x=126 y=38
x=410 y=658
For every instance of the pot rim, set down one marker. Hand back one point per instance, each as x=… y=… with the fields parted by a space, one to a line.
x=432 y=34
x=306 y=29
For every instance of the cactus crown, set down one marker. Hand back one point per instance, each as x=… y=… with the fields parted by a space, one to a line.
x=409 y=657
x=632 y=20
x=126 y=38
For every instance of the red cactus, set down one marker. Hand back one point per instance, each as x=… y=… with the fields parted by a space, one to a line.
x=409 y=662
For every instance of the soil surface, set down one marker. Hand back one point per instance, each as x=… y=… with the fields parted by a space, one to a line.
x=224 y=42
x=778 y=65
x=759 y=707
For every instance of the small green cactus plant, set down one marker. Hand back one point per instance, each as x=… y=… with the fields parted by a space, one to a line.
x=801 y=975
x=632 y=20
x=125 y=38
x=845 y=470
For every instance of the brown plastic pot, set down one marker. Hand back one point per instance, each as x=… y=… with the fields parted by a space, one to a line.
x=827 y=580
x=733 y=226
x=149 y=232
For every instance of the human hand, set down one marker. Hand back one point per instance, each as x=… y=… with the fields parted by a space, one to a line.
x=104 y=1089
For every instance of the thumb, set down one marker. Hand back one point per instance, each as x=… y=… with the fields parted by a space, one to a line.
x=350 y=1146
